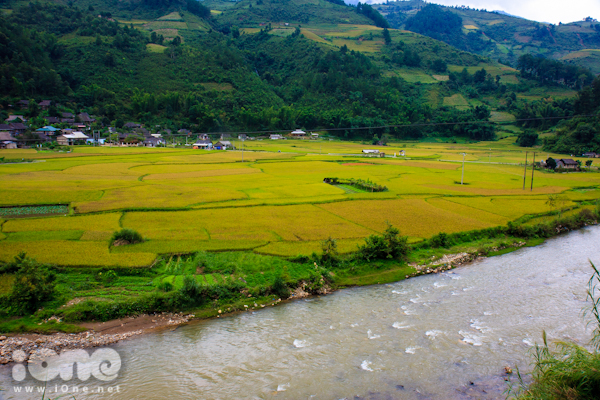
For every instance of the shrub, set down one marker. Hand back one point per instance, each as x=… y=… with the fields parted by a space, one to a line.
x=191 y=291
x=34 y=285
x=389 y=245
x=441 y=240
x=126 y=236
x=280 y=288
x=165 y=286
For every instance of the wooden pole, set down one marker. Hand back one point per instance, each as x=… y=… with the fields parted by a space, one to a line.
x=525 y=172
x=463 y=170
x=532 y=169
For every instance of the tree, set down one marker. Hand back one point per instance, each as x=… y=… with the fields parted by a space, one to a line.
x=588 y=163
x=330 y=252
x=386 y=36
x=551 y=163
x=439 y=66
x=527 y=139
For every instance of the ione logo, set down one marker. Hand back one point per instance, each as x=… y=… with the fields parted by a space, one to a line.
x=102 y=364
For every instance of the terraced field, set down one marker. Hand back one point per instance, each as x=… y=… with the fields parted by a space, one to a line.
x=275 y=202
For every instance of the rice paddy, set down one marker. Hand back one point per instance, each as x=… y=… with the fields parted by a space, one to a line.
x=274 y=203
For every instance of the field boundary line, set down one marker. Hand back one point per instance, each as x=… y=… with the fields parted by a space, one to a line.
x=347 y=220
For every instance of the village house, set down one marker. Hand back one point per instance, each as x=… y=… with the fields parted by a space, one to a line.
x=152 y=141
x=298 y=133
x=67 y=115
x=590 y=154
x=69 y=139
x=18 y=128
x=204 y=144
x=45 y=104
x=275 y=137
x=85 y=119
x=7 y=141
x=366 y=151
x=130 y=139
x=23 y=104
x=15 y=118
x=242 y=136
x=203 y=136
x=52 y=120
x=225 y=136
x=132 y=125
x=566 y=163
x=314 y=135
x=47 y=131
x=223 y=145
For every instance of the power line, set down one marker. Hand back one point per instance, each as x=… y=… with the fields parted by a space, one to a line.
x=408 y=125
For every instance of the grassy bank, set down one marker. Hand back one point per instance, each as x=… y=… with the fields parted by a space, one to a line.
x=204 y=283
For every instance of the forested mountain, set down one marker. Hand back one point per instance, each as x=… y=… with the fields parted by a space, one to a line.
x=212 y=67
x=497 y=35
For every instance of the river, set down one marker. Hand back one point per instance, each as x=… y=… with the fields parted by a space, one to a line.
x=444 y=336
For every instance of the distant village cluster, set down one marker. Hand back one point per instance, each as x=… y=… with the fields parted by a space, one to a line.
x=68 y=129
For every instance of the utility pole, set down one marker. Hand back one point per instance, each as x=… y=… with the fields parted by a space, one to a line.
x=525 y=172
x=242 y=149
x=463 y=169
x=532 y=169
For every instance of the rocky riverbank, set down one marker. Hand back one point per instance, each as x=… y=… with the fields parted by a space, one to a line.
x=23 y=347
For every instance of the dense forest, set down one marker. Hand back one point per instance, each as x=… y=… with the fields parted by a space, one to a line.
x=581 y=134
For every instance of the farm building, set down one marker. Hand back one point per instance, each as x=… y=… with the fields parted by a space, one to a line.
x=366 y=151
x=566 y=163
x=298 y=133
x=224 y=145
x=69 y=139
x=204 y=144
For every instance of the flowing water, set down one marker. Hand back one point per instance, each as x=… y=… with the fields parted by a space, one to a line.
x=445 y=336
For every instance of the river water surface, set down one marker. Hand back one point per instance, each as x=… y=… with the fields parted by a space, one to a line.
x=445 y=336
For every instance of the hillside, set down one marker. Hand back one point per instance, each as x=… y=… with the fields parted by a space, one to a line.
x=496 y=35
x=194 y=69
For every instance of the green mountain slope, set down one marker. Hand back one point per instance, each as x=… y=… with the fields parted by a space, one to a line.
x=497 y=35
x=180 y=70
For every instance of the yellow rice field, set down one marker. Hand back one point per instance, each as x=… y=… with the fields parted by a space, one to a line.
x=275 y=202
